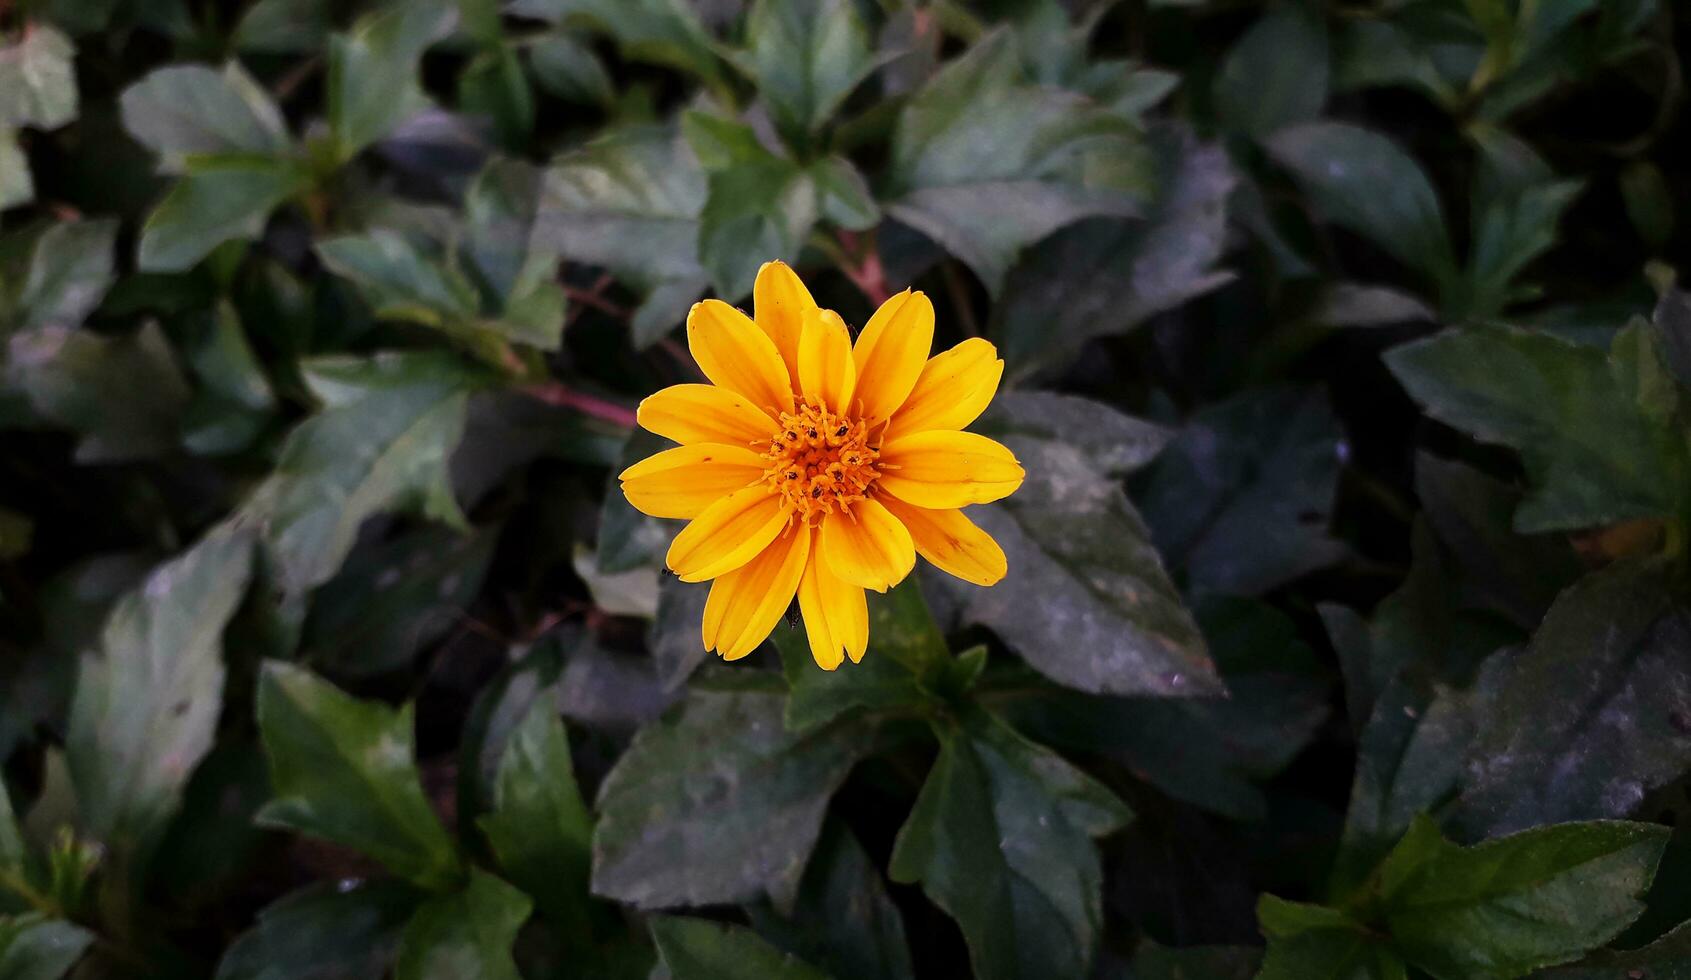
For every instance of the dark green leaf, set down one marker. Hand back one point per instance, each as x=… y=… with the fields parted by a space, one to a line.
x=192 y=110
x=697 y=949
x=37 y=80
x=1276 y=75
x=630 y=202
x=343 y=770
x=718 y=803
x=285 y=26
x=1508 y=906
x=759 y=206
x=539 y=828
x=1364 y=183
x=807 y=56
x=393 y=601
x=843 y=920
x=373 y=72
x=1593 y=455
x=465 y=934
x=388 y=426
x=905 y=651
x=221 y=199
x=70 y=270
x=1590 y=716
x=568 y=68
x=675 y=639
x=1668 y=958
x=323 y=932
x=398 y=281
x=500 y=707
x=17 y=186
x=1212 y=753
x=123 y=395
x=36 y=948
x=234 y=402
x=986 y=164
x=1112 y=442
x=1241 y=499
x=147 y=705
x=1153 y=962
x=1104 y=276
x=494 y=87
x=664 y=32
x=1000 y=838
x=1086 y=601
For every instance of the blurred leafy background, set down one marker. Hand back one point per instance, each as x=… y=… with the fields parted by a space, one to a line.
x=1345 y=634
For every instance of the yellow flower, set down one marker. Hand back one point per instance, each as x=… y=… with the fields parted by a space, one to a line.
x=810 y=465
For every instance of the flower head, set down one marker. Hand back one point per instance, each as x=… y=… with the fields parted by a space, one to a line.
x=817 y=467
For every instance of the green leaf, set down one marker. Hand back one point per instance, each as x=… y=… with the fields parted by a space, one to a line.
x=192 y=110
x=494 y=87
x=986 y=164
x=662 y=32
x=1583 y=723
x=500 y=707
x=395 y=600
x=1001 y=838
x=1112 y=443
x=147 y=704
x=70 y=269
x=1209 y=752
x=1242 y=498
x=1334 y=954
x=382 y=442
x=221 y=199
x=539 y=827
x=372 y=84
x=343 y=770
x=1515 y=575
x=1364 y=183
x=1105 y=276
x=324 y=932
x=905 y=651
x=398 y=281
x=718 y=802
x=1153 y=962
x=285 y=27
x=17 y=186
x=1086 y=601
x=1510 y=231
x=33 y=947
x=1593 y=456
x=629 y=539
x=806 y=56
x=1276 y=75
x=630 y=201
x=1668 y=958
x=464 y=934
x=843 y=920
x=38 y=79
x=123 y=395
x=759 y=206
x=1511 y=905
x=569 y=69
x=234 y=402
x=697 y=949
x=843 y=194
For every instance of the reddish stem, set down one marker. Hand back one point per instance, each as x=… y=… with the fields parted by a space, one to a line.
x=868 y=275
x=556 y=393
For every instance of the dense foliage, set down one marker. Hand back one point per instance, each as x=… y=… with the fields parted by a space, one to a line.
x=1346 y=627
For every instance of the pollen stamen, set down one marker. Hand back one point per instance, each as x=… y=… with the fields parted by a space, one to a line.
x=820 y=461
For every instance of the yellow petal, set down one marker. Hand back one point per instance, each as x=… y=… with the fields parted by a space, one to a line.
x=867 y=547
x=782 y=304
x=727 y=534
x=827 y=373
x=683 y=481
x=734 y=353
x=704 y=413
x=745 y=604
x=836 y=615
x=943 y=470
x=952 y=390
x=951 y=541
x=891 y=351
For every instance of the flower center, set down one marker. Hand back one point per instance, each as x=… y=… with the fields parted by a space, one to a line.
x=820 y=461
